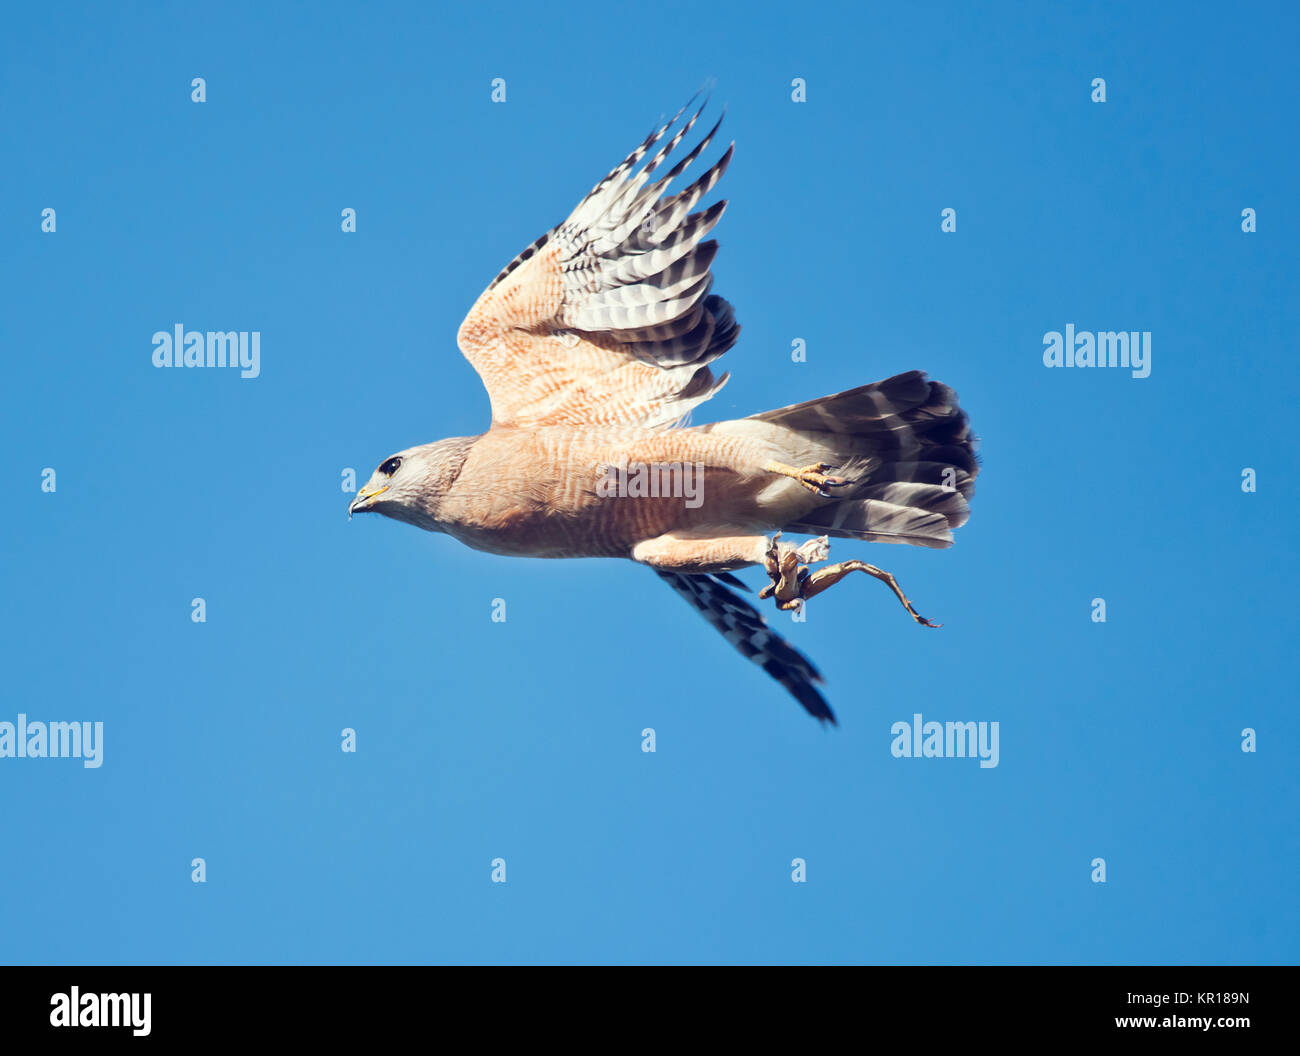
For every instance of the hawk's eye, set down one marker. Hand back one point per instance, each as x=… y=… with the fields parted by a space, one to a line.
x=390 y=467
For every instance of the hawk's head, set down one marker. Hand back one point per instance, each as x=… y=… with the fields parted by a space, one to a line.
x=410 y=485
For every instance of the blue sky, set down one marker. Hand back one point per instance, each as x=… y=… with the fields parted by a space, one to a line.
x=522 y=740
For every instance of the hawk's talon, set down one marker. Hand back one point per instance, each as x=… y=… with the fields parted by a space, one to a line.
x=811 y=477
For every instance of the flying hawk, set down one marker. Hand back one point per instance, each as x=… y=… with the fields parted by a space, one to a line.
x=595 y=343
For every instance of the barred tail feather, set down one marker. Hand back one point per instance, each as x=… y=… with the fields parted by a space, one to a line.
x=907 y=448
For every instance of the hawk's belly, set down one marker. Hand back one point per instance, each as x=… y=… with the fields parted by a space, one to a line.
x=607 y=526
x=530 y=494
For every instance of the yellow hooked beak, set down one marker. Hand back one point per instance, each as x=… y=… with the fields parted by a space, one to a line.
x=362 y=496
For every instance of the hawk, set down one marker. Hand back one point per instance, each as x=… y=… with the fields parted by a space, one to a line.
x=595 y=344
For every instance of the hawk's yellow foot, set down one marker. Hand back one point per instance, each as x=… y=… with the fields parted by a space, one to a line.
x=812 y=477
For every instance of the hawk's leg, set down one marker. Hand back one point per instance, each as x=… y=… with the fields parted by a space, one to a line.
x=701 y=552
x=811 y=477
x=793 y=582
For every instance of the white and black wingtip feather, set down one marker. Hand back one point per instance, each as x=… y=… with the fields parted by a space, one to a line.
x=636 y=264
x=744 y=627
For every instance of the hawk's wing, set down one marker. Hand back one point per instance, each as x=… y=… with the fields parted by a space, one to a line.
x=743 y=626
x=607 y=317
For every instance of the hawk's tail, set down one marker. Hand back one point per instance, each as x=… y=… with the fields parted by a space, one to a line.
x=905 y=445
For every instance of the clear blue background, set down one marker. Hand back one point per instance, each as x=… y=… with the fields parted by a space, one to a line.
x=523 y=740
